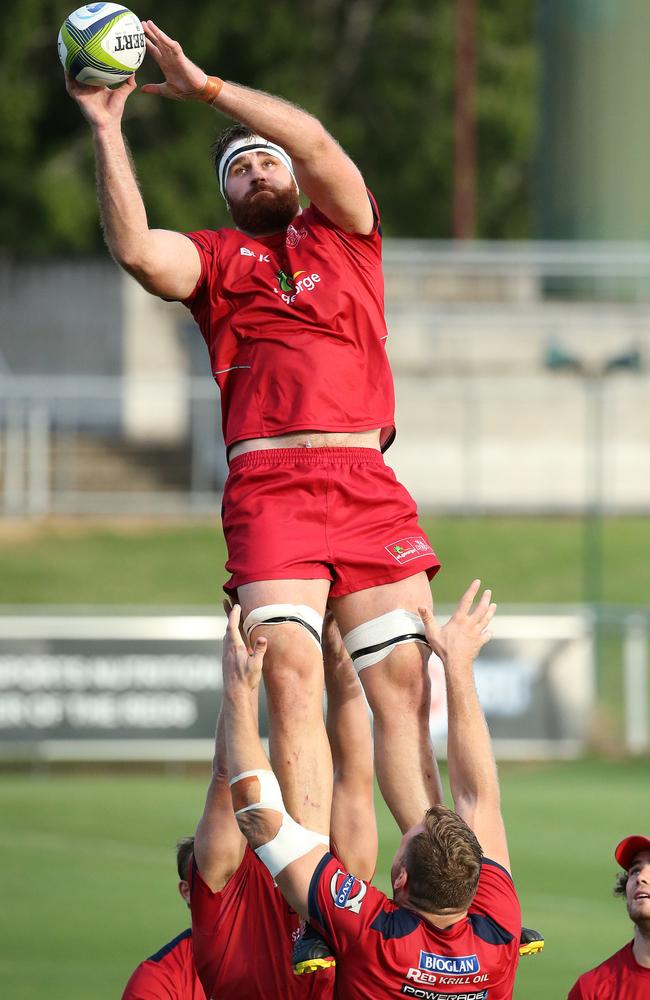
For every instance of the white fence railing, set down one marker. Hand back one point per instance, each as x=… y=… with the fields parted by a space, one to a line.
x=471 y=444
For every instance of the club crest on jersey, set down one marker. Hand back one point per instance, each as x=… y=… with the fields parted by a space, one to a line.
x=407 y=549
x=449 y=965
x=347 y=891
x=294 y=236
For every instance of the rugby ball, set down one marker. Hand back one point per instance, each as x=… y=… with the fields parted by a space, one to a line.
x=101 y=44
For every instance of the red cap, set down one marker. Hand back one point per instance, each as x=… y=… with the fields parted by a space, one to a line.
x=629 y=848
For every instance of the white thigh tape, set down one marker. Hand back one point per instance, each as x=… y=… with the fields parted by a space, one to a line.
x=372 y=641
x=278 y=614
x=292 y=841
x=270 y=793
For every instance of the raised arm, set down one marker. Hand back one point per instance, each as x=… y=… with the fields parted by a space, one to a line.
x=289 y=851
x=353 y=825
x=218 y=842
x=323 y=170
x=165 y=263
x=472 y=769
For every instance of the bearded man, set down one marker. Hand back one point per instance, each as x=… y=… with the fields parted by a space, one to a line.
x=290 y=304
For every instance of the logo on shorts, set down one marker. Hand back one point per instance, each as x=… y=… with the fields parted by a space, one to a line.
x=407 y=549
x=347 y=891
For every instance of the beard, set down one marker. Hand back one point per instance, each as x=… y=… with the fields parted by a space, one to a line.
x=265 y=211
x=641 y=921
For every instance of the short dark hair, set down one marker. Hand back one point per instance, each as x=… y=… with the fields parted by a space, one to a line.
x=620 y=885
x=184 y=852
x=223 y=140
x=443 y=863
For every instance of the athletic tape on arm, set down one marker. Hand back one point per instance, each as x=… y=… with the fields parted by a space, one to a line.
x=292 y=841
x=278 y=614
x=372 y=641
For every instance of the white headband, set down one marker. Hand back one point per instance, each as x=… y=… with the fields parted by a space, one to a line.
x=240 y=146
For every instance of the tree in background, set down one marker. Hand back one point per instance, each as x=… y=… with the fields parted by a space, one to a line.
x=379 y=74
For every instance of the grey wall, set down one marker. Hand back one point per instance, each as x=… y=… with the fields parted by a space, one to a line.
x=61 y=318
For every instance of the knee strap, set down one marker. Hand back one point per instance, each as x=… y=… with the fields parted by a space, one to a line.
x=278 y=614
x=372 y=641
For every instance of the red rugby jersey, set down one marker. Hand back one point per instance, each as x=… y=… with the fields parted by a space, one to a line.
x=243 y=937
x=168 y=975
x=620 y=976
x=295 y=329
x=383 y=950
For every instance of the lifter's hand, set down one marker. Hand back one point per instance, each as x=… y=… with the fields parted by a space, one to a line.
x=241 y=666
x=101 y=106
x=340 y=676
x=466 y=632
x=334 y=650
x=183 y=79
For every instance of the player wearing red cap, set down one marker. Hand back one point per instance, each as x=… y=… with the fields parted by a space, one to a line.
x=626 y=974
x=290 y=304
x=170 y=974
x=453 y=925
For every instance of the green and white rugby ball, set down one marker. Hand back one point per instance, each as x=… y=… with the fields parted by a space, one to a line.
x=101 y=44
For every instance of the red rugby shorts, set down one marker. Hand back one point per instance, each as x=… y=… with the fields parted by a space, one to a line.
x=334 y=514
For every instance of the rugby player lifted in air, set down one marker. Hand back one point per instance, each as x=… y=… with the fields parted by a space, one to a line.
x=290 y=304
x=454 y=922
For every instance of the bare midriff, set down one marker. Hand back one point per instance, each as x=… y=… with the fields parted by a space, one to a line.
x=308 y=439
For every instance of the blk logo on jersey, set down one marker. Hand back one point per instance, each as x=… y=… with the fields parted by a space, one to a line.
x=262 y=257
x=347 y=891
x=450 y=965
x=407 y=549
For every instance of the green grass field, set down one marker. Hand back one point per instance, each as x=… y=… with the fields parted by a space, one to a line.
x=524 y=560
x=89 y=880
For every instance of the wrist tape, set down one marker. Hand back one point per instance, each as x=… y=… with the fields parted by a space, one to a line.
x=210 y=90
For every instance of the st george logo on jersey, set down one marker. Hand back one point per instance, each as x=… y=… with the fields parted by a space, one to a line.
x=347 y=891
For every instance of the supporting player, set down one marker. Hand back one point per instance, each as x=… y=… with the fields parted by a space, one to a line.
x=237 y=910
x=454 y=922
x=242 y=929
x=290 y=304
x=626 y=974
x=170 y=974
